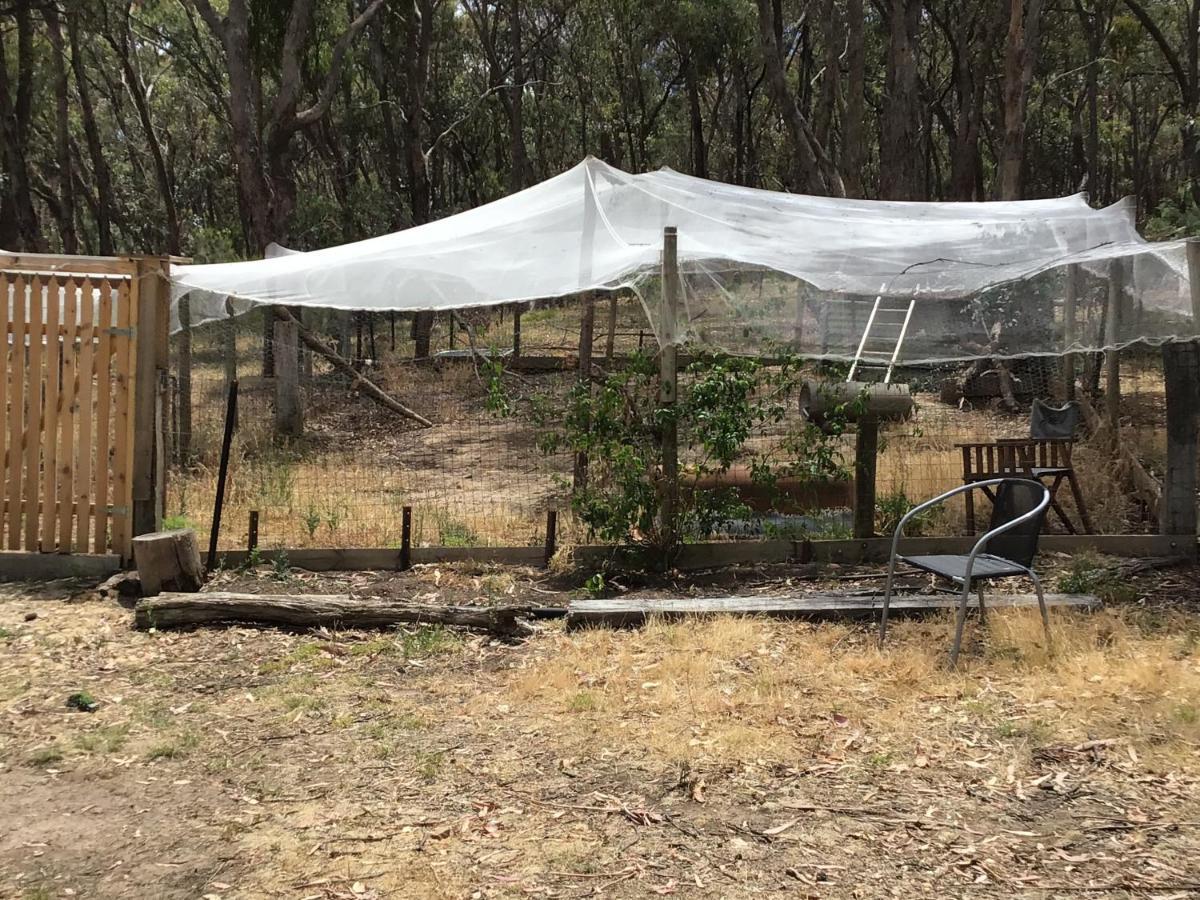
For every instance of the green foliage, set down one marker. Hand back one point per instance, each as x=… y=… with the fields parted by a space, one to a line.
x=173 y=523
x=1175 y=217
x=893 y=506
x=619 y=424
x=281 y=569
x=595 y=585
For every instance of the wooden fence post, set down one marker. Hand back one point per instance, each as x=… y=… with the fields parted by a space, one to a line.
x=1112 y=356
x=184 y=403
x=866 y=456
x=289 y=418
x=1181 y=374
x=1193 y=264
x=667 y=383
x=587 y=329
x=1070 y=301
x=516 y=348
x=149 y=475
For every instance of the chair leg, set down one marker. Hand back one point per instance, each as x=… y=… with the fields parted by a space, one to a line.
x=1037 y=586
x=958 y=626
x=982 y=608
x=887 y=599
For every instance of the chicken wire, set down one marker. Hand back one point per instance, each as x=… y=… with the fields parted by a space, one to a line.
x=477 y=478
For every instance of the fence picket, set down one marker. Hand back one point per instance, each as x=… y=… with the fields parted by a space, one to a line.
x=83 y=469
x=54 y=291
x=66 y=417
x=33 y=420
x=6 y=280
x=16 y=416
x=104 y=390
x=122 y=499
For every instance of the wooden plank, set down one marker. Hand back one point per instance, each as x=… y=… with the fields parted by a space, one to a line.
x=630 y=611
x=23 y=566
x=34 y=422
x=1126 y=545
x=49 y=437
x=16 y=416
x=66 y=419
x=50 y=263
x=85 y=415
x=354 y=559
x=122 y=422
x=102 y=365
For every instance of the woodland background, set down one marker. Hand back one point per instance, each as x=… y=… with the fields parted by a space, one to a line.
x=214 y=127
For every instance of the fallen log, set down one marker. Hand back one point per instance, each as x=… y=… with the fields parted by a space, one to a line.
x=364 y=384
x=172 y=610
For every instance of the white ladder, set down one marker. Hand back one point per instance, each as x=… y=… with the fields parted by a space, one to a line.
x=883 y=346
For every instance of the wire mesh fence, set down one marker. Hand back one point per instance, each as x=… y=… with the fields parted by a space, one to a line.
x=481 y=475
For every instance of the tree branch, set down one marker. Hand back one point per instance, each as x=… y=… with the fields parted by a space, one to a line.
x=317 y=110
x=1186 y=87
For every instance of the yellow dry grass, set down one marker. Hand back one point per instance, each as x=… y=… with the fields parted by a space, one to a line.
x=728 y=691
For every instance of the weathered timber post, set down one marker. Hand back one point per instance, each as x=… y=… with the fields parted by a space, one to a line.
x=1181 y=374
x=183 y=447
x=289 y=418
x=610 y=339
x=1112 y=356
x=517 y=330
x=151 y=286
x=668 y=388
x=587 y=329
x=866 y=459
x=1070 y=300
x=229 y=344
x=1193 y=264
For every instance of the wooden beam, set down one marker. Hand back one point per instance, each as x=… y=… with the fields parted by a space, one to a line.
x=289 y=418
x=1112 y=356
x=153 y=299
x=866 y=459
x=621 y=612
x=668 y=387
x=1193 y=264
x=50 y=263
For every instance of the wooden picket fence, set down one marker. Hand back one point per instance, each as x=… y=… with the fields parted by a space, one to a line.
x=66 y=404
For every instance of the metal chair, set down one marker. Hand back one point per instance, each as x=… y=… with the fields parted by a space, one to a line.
x=1012 y=539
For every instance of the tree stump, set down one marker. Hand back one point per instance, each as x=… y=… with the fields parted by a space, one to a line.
x=168 y=561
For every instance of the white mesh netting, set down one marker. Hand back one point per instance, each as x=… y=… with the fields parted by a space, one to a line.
x=843 y=279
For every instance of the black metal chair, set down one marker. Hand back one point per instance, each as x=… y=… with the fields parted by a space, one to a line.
x=1007 y=549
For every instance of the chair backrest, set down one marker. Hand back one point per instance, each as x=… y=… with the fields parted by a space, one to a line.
x=1014 y=499
x=1049 y=422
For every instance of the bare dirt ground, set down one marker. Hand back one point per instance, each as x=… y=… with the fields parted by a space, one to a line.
x=722 y=758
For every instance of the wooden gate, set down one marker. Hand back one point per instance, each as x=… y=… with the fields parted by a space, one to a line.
x=67 y=403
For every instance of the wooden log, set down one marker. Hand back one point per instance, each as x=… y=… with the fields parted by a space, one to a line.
x=620 y=612
x=368 y=387
x=181 y=610
x=168 y=560
x=857 y=400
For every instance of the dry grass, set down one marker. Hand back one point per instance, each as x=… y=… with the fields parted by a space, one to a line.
x=730 y=691
x=721 y=758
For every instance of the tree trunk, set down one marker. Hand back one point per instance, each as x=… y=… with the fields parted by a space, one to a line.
x=813 y=170
x=62 y=140
x=101 y=173
x=1020 y=56
x=853 y=146
x=19 y=225
x=899 y=146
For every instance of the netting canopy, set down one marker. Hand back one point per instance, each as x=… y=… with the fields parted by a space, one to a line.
x=903 y=282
